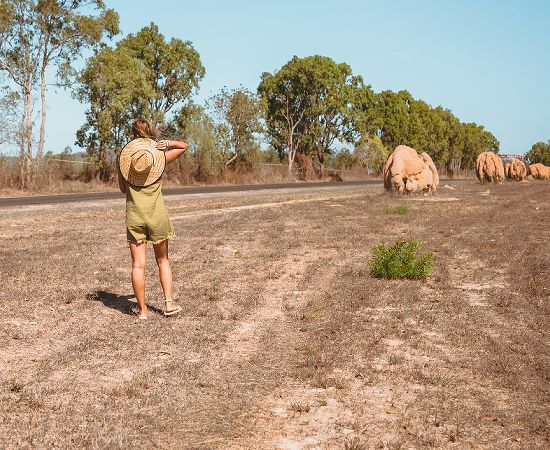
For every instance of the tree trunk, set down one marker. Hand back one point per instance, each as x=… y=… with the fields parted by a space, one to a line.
x=321 y=160
x=25 y=177
x=291 y=157
x=291 y=152
x=40 y=149
x=105 y=169
x=230 y=161
x=454 y=166
x=22 y=135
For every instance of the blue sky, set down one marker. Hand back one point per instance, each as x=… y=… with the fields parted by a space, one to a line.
x=488 y=61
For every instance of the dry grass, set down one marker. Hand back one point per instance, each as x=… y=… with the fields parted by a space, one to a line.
x=55 y=177
x=285 y=338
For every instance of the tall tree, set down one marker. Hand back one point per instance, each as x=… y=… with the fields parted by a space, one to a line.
x=115 y=86
x=237 y=115
x=143 y=76
x=20 y=46
x=397 y=118
x=174 y=69
x=35 y=34
x=65 y=31
x=308 y=105
x=394 y=120
x=539 y=153
x=198 y=128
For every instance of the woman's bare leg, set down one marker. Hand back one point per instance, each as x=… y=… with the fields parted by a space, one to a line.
x=165 y=272
x=138 y=252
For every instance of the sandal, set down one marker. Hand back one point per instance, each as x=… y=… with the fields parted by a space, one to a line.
x=172 y=312
x=138 y=315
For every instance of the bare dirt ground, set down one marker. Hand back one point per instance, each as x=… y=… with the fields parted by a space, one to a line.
x=285 y=340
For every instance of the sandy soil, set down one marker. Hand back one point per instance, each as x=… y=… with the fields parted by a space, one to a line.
x=285 y=340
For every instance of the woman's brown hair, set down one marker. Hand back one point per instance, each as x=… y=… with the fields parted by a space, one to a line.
x=144 y=129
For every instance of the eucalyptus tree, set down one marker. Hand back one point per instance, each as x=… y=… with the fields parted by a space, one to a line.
x=539 y=153
x=198 y=128
x=173 y=69
x=393 y=124
x=115 y=86
x=398 y=118
x=143 y=76
x=35 y=34
x=371 y=153
x=237 y=123
x=309 y=104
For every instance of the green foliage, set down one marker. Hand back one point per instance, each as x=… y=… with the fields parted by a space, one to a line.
x=38 y=34
x=309 y=104
x=269 y=156
x=539 y=153
x=400 y=261
x=66 y=30
x=400 y=210
x=237 y=123
x=240 y=254
x=109 y=84
x=192 y=122
x=144 y=76
x=313 y=103
x=172 y=69
x=343 y=160
x=371 y=153
x=397 y=118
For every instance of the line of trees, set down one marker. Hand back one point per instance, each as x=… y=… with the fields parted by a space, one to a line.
x=309 y=108
x=312 y=110
x=311 y=103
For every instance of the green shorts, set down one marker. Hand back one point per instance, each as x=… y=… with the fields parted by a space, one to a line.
x=154 y=231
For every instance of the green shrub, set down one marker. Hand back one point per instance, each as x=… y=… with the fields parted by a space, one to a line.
x=400 y=210
x=400 y=261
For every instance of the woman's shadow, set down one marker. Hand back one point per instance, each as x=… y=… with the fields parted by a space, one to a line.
x=120 y=303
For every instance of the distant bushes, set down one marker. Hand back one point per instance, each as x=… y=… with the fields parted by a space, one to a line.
x=400 y=261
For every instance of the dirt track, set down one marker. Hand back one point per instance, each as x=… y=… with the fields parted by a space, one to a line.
x=286 y=341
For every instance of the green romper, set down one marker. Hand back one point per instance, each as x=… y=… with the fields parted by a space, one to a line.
x=146 y=216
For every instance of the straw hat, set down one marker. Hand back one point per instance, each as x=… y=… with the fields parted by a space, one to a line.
x=140 y=163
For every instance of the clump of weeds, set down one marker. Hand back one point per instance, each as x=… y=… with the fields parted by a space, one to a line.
x=299 y=408
x=399 y=261
x=240 y=254
x=15 y=386
x=400 y=210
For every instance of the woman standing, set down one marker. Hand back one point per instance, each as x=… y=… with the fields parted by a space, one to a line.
x=141 y=165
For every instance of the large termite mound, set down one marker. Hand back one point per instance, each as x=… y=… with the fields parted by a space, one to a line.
x=515 y=170
x=489 y=168
x=407 y=171
x=539 y=171
x=306 y=170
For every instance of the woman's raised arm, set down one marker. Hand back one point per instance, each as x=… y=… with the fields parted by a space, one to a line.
x=173 y=149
